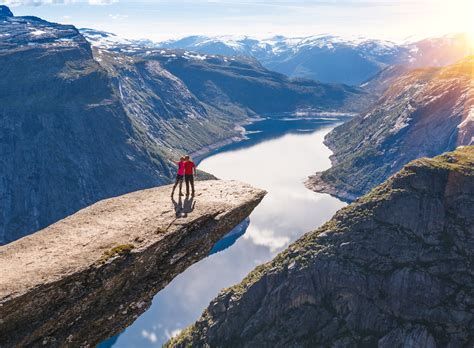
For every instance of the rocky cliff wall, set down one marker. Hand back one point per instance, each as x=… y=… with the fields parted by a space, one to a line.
x=393 y=269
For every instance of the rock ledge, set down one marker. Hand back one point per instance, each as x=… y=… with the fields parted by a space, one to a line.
x=90 y=275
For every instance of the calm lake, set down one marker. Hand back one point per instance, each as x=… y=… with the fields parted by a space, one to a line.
x=277 y=156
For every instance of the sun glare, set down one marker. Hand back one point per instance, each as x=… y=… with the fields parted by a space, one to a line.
x=471 y=41
x=471 y=24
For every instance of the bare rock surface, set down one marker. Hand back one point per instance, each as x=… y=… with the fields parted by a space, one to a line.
x=393 y=269
x=90 y=275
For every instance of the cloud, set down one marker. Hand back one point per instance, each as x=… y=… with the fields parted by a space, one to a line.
x=151 y=336
x=102 y=2
x=14 y=3
x=267 y=238
x=35 y=2
x=118 y=16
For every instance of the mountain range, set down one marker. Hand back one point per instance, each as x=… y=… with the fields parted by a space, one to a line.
x=329 y=58
x=81 y=123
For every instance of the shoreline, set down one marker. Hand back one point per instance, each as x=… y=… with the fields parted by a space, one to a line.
x=203 y=152
x=316 y=183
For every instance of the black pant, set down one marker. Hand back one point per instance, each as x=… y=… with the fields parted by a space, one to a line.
x=179 y=180
x=189 y=178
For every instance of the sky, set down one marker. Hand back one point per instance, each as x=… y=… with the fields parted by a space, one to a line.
x=166 y=19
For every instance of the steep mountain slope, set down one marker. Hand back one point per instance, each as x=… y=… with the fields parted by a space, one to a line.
x=245 y=82
x=79 y=124
x=235 y=79
x=425 y=112
x=328 y=58
x=393 y=269
x=163 y=107
x=65 y=138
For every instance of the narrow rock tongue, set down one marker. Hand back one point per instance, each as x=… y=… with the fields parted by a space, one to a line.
x=5 y=11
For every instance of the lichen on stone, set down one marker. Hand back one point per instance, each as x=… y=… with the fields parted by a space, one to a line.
x=118 y=250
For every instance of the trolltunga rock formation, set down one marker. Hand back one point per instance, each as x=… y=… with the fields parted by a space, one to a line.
x=90 y=275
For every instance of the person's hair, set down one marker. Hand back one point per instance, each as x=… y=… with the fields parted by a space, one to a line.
x=182 y=158
x=186 y=157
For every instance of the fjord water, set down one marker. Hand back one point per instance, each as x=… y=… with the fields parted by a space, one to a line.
x=277 y=156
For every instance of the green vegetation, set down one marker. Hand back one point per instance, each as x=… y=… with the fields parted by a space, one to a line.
x=118 y=250
x=180 y=339
x=461 y=160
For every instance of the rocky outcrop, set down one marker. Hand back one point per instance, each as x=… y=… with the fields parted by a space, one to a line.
x=87 y=277
x=425 y=112
x=393 y=269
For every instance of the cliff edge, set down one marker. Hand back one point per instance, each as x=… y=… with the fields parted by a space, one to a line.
x=393 y=269
x=90 y=275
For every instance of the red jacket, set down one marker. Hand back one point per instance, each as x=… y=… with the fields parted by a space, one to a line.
x=188 y=167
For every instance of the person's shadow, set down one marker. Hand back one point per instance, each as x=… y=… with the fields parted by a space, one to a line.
x=183 y=208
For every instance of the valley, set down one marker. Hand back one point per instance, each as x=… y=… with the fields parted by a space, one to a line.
x=334 y=193
x=118 y=118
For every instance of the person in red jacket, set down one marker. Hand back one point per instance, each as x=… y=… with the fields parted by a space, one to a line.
x=189 y=172
x=179 y=175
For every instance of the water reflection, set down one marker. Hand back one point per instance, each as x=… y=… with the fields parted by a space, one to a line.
x=230 y=238
x=279 y=165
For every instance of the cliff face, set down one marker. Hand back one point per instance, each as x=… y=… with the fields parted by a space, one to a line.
x=87 y=277
x=393 y=269
x=65 y=139
x=425 y=112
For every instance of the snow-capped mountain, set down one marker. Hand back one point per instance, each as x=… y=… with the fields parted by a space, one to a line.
x=326 y=58
x=110 y=41
x=330 y=58
x=34 y=32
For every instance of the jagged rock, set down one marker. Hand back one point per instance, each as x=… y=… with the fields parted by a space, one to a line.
x=393 y=269
x=87 y=277
x=424 y=112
